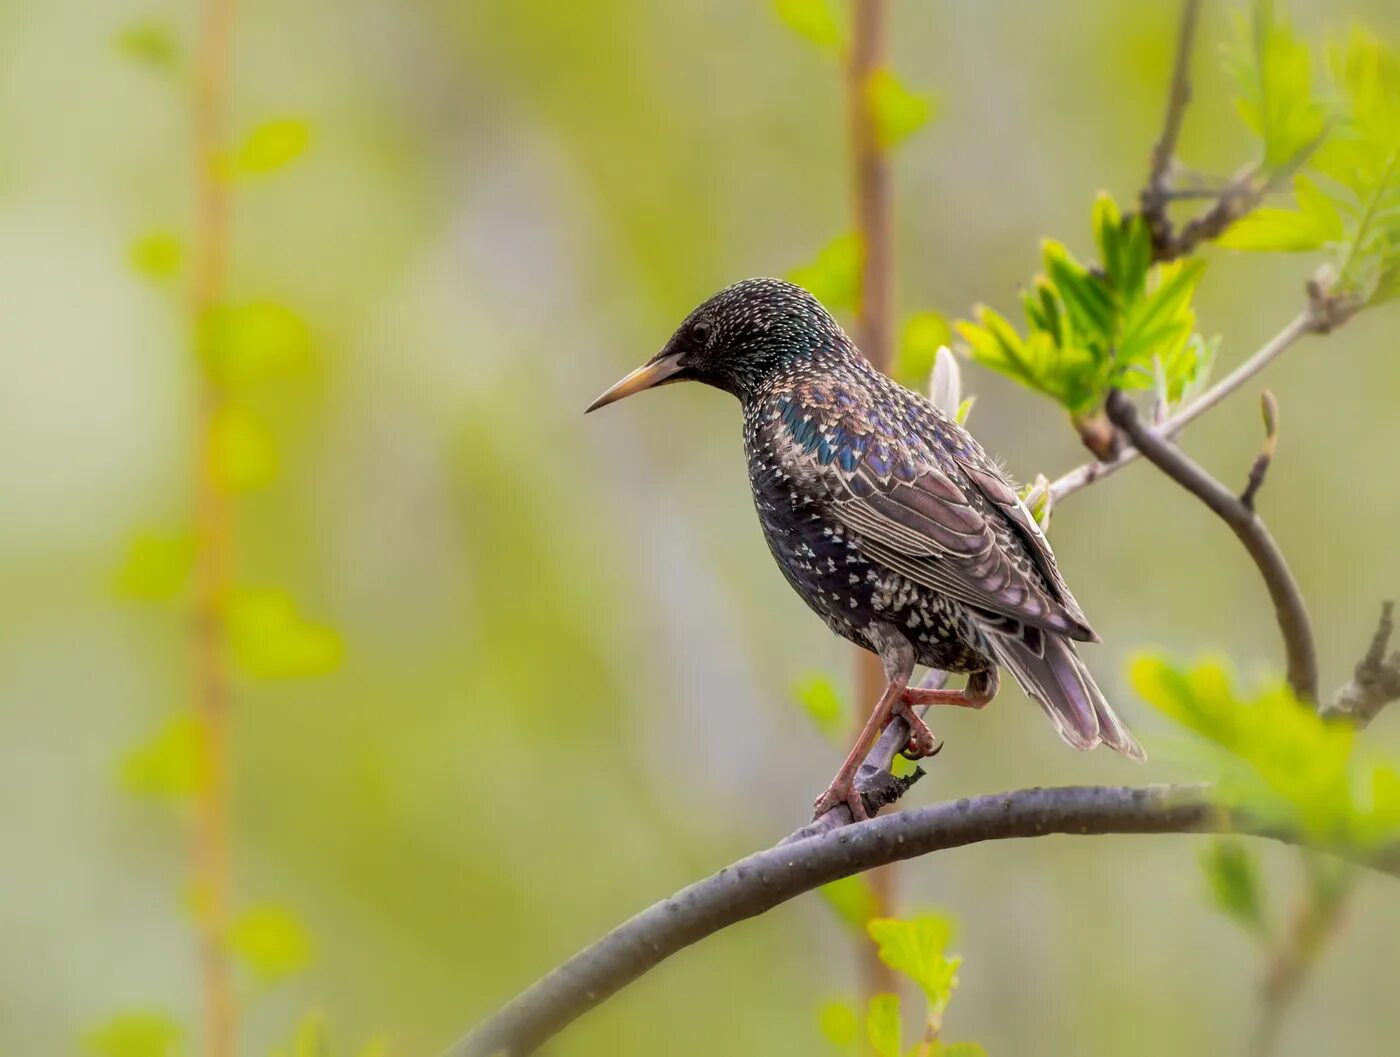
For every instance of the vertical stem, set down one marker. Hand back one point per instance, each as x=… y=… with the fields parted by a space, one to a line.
x=209 y=835
x=874 y=333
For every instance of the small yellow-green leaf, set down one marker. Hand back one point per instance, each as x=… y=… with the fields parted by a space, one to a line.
x=897 y=112
x=839 y=1024
x=246 y=344
x=156 y=566
x=156 y=255
x=242 y=450
x=1235 y=886
x=822 y=702
x=882 y=1027
x=272 y=942
x=919 y=341
x=916 y=947
x=169 y=766
x=149 y=42
x=272 y=145
x=851 y=898
x=833 y=278
x=134 y=1034
x=813 y=20
x=271 y=640
x=375 y=1047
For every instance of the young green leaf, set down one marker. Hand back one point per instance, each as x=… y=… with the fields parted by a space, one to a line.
x=135 y=1034
x=156 y=566
x=243 y=451
x=822 y=702
x=851 y=899
x=882 y=1027
x=916 y=947
x=271 y=146
x=839 y=1024
x=156 y=255
x=167 y=767
x=255 y=342
x=271 y=942
x=1273 y=70
x=897 y=112
x=1232 y=872
x=833 y=277
x=271 y=640
x=149 y=42
x=813 y=20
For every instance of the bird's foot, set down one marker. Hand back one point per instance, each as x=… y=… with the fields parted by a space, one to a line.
x=921 y=743
x=841 y=791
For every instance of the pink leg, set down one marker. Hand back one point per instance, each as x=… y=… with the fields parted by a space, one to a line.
x=842 y=789
x=980 y=689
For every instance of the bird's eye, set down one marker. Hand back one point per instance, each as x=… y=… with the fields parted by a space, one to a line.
x=700 y=333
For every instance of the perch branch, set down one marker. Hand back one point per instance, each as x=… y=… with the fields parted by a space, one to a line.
x=1289 y=607
x=769 y=878
x=1376 y=680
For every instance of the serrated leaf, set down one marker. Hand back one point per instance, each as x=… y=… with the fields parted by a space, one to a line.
x=813 y=20
x=271 y=640
x=920 y=339
x=156 y=566
x=882 y=1027
x=149 y=42
x=1273 y=70
x=822 y=702
x=272 y=145
x=141 y=1033
x=851 y=899
x=156 y=255
x=271 y=942
x=167 y=767
x=916 y=947
x=833 y=277
x=896 y=111
x=246 y=344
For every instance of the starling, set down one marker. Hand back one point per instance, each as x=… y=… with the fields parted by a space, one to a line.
x=888 y=519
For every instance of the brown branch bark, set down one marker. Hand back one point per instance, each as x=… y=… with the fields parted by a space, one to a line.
x=1158 y=191
x=1376 y=681
x=1289 y=608
x=767 y=879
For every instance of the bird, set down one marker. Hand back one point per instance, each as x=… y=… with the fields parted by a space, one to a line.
x=889 y=520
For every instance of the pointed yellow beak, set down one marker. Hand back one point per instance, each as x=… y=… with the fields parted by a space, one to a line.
x=657 y=372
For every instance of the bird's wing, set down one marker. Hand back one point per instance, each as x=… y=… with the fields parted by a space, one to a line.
x=923 y=497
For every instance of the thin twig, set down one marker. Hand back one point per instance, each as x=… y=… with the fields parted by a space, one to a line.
x=1289 y=607
x=1376 y=680
x=1259 y=470
x=1158 y=191
x=769 y=878
x=1306 y=322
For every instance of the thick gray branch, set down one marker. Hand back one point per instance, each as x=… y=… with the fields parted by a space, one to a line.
x=1289 y=608
x=769 y=878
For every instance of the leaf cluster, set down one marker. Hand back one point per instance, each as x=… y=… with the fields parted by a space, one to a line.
x=1126 y=323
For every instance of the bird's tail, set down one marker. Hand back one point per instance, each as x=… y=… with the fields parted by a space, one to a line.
x=1050 y=671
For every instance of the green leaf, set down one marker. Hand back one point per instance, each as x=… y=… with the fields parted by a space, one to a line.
x=833 y=278
x=839 y=1024
x=149 y=42
x=243 y=452
x=923 y=335
x=822 y=702
x=246 y=344
x=1274 y=73
x=156 y=566
x=271 y=146
x=851 y=899
x=156 y=255
x=960 y=1049
x=375 y=1047
x=897 y=112
x=916 y=947
x=167 y=767
x=271 y=942
x=1232 y=871
x=813 y=20
x=882 y=1027
x=271 y=640
x=134 y=1034
x=1159 y=324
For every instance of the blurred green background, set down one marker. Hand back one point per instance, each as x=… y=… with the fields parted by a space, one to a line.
x=568 y=658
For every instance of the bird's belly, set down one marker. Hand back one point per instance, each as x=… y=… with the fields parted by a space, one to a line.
x=829 y=569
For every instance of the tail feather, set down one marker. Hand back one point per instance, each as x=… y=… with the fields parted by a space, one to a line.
x=1050 y=671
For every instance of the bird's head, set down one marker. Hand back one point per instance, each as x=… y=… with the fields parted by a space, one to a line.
x=738 y=338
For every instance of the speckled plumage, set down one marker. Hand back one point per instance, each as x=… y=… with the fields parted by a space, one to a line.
x=886 y=517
